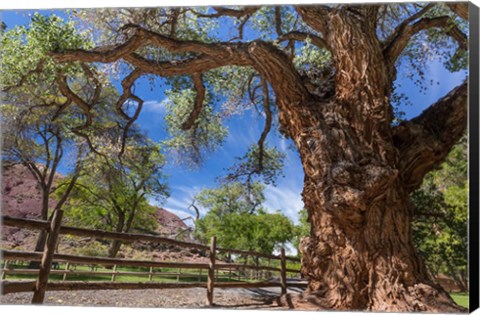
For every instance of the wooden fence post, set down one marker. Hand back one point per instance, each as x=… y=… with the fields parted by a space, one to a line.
x=114 y=273
x=47 y=258
x=283 y=272
x=211 y=271
x=4 y=272
x=150 y=274
x=66 y=270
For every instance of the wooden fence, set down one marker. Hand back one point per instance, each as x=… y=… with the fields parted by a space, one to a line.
x=213 y=268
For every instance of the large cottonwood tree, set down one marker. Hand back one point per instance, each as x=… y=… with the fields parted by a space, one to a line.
x=335 y=102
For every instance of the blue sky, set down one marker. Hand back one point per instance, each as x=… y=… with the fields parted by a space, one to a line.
x=244 y=131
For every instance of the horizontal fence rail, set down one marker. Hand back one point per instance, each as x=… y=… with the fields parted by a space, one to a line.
x=127 y=237
x=214 y=269
x=7 y=254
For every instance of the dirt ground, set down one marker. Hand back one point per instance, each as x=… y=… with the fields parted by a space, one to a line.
x=167 y=298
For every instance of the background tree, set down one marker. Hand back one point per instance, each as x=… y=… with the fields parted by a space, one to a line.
x=302 y=229
x=31 y=138
x=441 y=217
x=37 y=126
x=360 y=164
x=238 y=220
x=114 y=193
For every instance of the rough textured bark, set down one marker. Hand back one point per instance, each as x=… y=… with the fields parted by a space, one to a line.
x=360 y=253
x=359 y=169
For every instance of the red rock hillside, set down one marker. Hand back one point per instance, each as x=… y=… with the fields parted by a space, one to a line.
x=21 y=198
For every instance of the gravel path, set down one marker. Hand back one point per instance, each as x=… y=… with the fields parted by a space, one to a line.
x=168 y=298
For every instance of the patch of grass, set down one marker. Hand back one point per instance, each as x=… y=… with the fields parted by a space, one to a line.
x=461 y=299
x=57 y=275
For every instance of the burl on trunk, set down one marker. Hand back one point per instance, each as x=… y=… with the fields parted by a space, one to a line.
x=359 y=171
x=359 y=167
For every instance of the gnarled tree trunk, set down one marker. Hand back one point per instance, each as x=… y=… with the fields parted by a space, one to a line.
x=359 y=167
x=360 y=253
x=359 y=171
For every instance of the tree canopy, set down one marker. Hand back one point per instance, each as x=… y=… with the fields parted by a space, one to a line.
x=440 y=228
x=325 y=76
x=236 y=216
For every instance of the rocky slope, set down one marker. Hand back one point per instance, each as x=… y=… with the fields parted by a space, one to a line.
x=21 y=198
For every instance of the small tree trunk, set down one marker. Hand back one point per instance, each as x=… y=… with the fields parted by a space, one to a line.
x=116 y=244
x=42 y=236
x=463 y=274
x=454 y=274
x=40 y=244
x=114 y=248
x=46 y=264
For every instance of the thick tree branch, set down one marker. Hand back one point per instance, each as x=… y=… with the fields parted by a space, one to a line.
x=271 y=62
x=461 y=9
x=315 y=16
x=396 y=46
x=267 y=128
x=209 y=55
x=199 y=99
x=223 y=11
x=424 y=142
x=201 y=63
x=67 y=92
x=103 y=54
x=127 y=84
x=275 y=66
x=278 y=20
x=300 y=36
x=97 y=91
x=174 y=22
x=401 y=27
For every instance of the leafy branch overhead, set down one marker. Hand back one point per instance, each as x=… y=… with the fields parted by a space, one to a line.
x=191 y=55
x=324 y=76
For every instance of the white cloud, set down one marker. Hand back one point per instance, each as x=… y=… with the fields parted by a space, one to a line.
x=286 y=199
x=176 y=203
x=154 y=106
x=188 y=191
